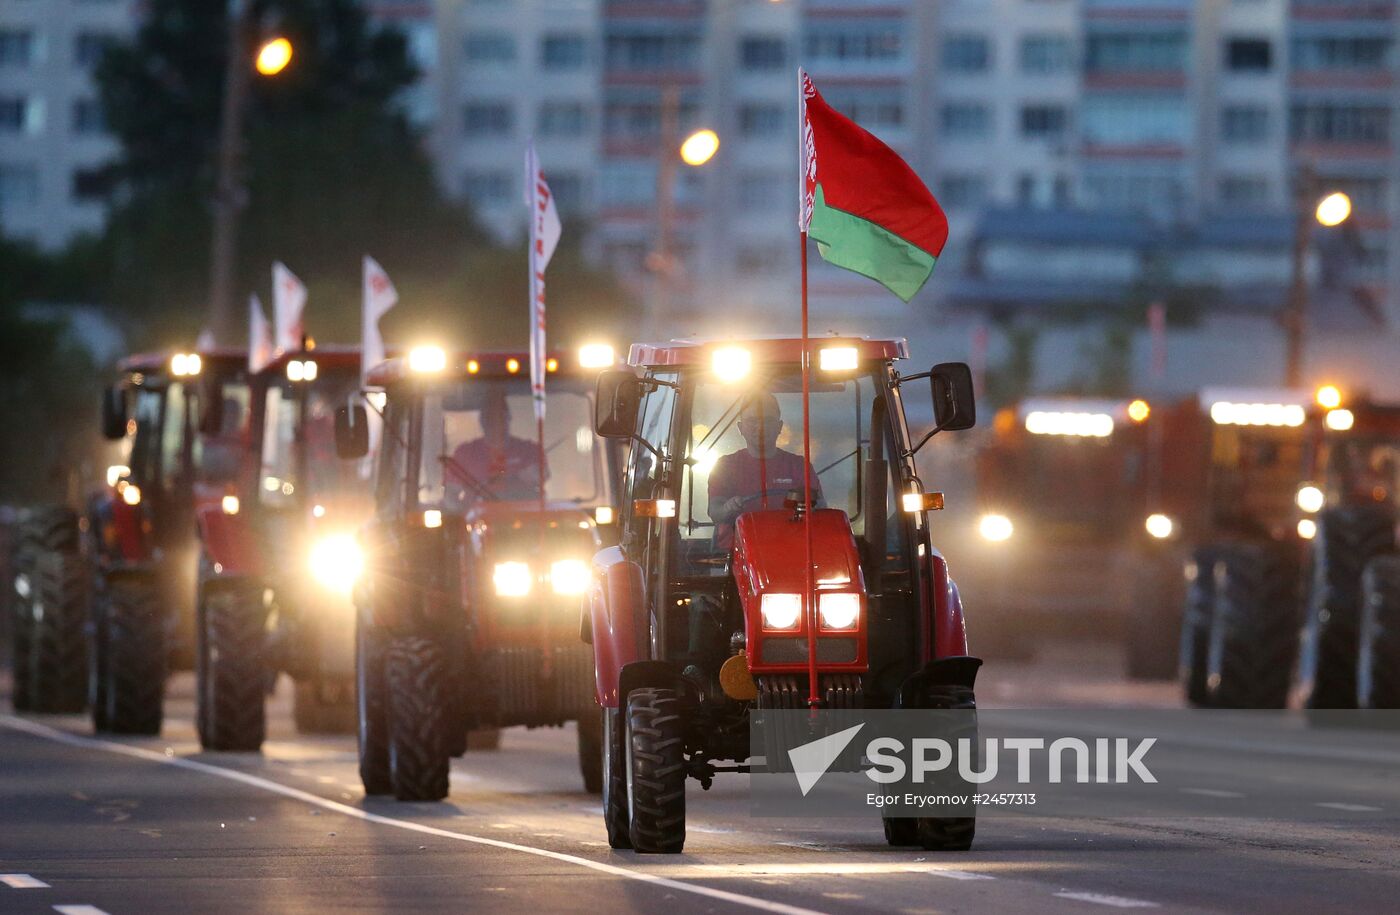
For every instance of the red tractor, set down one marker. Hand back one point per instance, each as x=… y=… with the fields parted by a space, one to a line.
x=279 y=559
x=698 y=618
x=469 y=608
x=1069 y=488
x=185 y=416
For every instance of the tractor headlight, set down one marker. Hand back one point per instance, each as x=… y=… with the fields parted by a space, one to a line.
x=569 y=576
x=995 y=528
x=1310 y=498
x=512 y=579
x=839 y=611
x=337 y=561
x=780 y=611
x=1160 y=526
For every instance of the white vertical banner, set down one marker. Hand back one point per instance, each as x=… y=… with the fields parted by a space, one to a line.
x=261 y=349
x=544 y=238
x=288 y=303
x=379 y=295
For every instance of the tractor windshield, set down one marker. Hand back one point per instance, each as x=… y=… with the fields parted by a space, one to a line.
x=298 y=448
x=480 y=444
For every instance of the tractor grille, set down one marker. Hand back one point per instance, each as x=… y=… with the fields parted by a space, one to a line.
x=789 y=691
x=523 y=695
x=794 y=651
x=842 y=694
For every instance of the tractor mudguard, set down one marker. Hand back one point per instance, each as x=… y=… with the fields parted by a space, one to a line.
x=230 y=544
x=948 y=627
x=617 y=621
x=642 y=674
x=942 y=683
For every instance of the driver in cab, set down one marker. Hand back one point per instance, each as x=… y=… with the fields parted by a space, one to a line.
x=504 y=466
x=741 y=480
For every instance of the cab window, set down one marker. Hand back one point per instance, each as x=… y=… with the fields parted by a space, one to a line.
x=643 y=469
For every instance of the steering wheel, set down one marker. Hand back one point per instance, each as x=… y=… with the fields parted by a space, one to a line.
x=779 y=494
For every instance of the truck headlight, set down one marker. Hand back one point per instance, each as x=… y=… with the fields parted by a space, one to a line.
x=569 y=576
x=512 y=579
x=337 y=562
x=839 y=611
x=780 y=611
x=995 y=528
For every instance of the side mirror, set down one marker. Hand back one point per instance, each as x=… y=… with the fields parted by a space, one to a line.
x=954 y=408
x=351 y=432
x=211 y=409
x=615 y=411
x=114 y=412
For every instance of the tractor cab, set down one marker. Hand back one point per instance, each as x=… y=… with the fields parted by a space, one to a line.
x=184 y=421
x=470 y=605
x=285 y=528
x=701 y=606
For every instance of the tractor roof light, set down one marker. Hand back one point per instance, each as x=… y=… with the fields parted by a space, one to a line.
x=1329 y=397
x=731 y=363
x=603 y=514
x=427 y=359
x=838 y=358
x=117 y=472
x=1340 y=420
x=1227 y=413
x=1083 y=425
x=596 y=356
x=512 y=365
x=1139 y=410
x=186 y=365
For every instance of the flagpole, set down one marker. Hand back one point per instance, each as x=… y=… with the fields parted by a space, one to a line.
x=809 y=603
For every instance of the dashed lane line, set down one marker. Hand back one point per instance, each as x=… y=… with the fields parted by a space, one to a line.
x=740 y=899
x=78 y=910
x=23 y=882
x=1355 y=808
x=1117 y=902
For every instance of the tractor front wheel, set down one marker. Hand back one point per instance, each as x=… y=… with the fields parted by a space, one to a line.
x=1195 y=624
x=1254 y=626
x=372 y=708
x=1378 y=667
x=231 y=667
x=132 y=630
x=655 y=771
x=416 y=672
x=615 y=813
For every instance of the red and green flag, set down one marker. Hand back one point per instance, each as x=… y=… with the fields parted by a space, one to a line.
x=862 y=204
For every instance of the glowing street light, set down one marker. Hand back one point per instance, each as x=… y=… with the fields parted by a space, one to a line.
x=700 y=147
x=1334 y=209
x=274 y=56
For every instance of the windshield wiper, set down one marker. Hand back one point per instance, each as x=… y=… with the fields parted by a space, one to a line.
x=482 y=490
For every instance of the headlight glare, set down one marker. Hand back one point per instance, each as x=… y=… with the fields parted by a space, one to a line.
x=512 y=579
x=569 y=576
x=337 y=562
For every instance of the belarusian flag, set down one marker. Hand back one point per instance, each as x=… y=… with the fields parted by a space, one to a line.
x=862 y=203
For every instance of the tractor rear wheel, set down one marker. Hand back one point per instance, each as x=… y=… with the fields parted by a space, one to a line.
x=416 y=671
x=1195 y=624
x=324 y=706
x=656 y=774
x=373 y=724
x=590 y=749
x=132 y=632
x=615 y=814
x=1378 y=667
x=58 y=666
x=21 y=638
x=1348 y=537
x=231 y=667
x=1253 y=630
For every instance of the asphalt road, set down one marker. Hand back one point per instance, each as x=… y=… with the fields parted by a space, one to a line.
x=153 y=825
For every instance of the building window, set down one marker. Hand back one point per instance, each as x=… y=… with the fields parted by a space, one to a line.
x=1244 y=124
x=488 y=119
x=761 y=119
x=88 y=48
x=488 y=188
x=965 y=120
x=663 y=52
x=567 y=188
x=762 y=53
x=16 y=48
x=962 y=190
x=760 y=191
x=872 y=108
x=1249 y=55
x=19 y=185
x=489 y=48
x=1135 y=52
x=1135 y=120
x=1045 y=122
x=14 y=112
x=87 y=117
x=848 y=42
x=1046 y=54
x=562 y=119
x=1343 y=53
x=967 y=54
x=1244 y=191
x=563 y=52
x=1323 y=123
x=90 y=185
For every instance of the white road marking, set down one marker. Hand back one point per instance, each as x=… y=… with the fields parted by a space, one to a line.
x=39 y=730
x=1117 y=902
x=1337 y=805
x=1210 y=792
x=78 y=910
x=23 y=882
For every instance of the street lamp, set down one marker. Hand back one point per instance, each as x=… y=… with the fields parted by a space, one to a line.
x=274 y=56
x=1313 y=208
x=700 y=147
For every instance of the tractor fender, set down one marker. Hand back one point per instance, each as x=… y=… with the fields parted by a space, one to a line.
x=949 y=628
x=641 y=674
x=942 y=683
x=617 y=621
x=122 y=530
x=230 y=546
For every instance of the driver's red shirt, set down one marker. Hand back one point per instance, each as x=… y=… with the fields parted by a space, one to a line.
x=745 y=474
x=499 y=466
